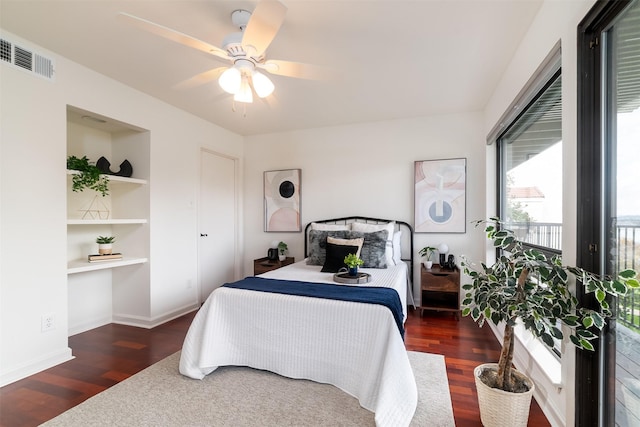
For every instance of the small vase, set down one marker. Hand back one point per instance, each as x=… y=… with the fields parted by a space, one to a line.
x=282 y=257
x=428 y=264
x=353 y=271
x=105 y=248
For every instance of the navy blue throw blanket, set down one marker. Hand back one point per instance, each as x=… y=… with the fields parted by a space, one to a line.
x=366 y=294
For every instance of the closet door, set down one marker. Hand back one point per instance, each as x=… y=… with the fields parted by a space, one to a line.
x=218 y=248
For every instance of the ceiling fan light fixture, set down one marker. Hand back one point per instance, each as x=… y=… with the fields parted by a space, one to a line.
x=262 y=85
x=244 y=92
x=230 y=80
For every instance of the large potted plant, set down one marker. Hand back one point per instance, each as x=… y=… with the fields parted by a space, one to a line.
x=525 y=287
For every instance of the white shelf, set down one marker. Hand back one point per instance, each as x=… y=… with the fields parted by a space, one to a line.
x=106 y=221
x=82 y=265
x=116 y=179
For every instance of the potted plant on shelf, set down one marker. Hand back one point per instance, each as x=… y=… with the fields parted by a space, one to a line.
x=282 y=251
x=88 y=176
x=426 y=253
x=352 y=261
x=105 y=244
x=525 y=287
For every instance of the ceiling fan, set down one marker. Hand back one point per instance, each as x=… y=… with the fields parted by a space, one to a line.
x=245 y=50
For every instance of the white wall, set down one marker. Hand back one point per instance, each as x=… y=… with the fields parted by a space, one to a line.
x=556 y=20
x=364 y=170
x=33 y=209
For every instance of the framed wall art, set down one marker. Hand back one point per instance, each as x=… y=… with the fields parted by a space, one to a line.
x=440 y=196
x=282 y=200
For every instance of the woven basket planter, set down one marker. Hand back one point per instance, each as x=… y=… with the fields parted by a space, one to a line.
x=500 y=408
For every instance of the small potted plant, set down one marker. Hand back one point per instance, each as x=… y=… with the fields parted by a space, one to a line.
x=426 y=253
x=105 y=244
x=525 y=287
x=88 y=176
x=352 y=261
x=282 y=251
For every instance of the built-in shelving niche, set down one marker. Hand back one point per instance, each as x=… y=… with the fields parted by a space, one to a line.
x=98 y=292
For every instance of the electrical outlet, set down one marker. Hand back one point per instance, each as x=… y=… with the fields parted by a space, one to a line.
x=48 y=322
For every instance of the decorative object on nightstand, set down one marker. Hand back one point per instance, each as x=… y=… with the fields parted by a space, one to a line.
x=262 y=265
x=272 y=252
x=440 y=289
x=282 y=251
x=426 y=254
x=443 y=249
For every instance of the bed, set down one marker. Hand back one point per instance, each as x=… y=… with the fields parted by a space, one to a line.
x=358 y=347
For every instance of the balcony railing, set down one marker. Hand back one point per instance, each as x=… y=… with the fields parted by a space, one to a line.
x=628 y=256
x=627 y=245
x=545 y=234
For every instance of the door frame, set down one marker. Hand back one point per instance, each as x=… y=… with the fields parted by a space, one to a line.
x=239 y=247
x=595 y=401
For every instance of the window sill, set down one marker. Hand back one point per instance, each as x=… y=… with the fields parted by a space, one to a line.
x=546 y=361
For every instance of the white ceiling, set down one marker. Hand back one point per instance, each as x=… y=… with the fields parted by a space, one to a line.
x=392 y=59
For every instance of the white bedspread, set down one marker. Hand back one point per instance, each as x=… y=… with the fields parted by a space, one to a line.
x=394 y=277
x=354 y=346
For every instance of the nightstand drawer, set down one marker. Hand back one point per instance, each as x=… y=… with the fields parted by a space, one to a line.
x=445 y=282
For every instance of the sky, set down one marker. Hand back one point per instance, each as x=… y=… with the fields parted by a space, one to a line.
x=545 y=172
x=628 y=176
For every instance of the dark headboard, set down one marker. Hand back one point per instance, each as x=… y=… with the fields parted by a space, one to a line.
x=407 y=235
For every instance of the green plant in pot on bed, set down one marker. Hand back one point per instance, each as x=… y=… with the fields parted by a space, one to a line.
x=524 y=288
x=352 y=261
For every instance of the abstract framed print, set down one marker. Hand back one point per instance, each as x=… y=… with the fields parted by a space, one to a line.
x=282 y=200
x=440 y=196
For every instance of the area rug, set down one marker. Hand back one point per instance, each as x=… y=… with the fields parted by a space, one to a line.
x=240 y=396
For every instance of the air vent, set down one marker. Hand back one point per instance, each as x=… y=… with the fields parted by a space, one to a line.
x=26 y=59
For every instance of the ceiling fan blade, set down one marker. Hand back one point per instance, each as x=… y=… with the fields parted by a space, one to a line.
x=265 y=21
x=201 y=79
x=296 y=69
x=173 y=35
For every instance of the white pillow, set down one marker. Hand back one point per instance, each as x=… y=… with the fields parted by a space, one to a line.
x=347 y=242
x=397 y=247
x=369 y=228
x=329 y=227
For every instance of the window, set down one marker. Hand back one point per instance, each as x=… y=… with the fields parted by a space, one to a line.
x=530 y=169
x=528 y=141
x=607 y=190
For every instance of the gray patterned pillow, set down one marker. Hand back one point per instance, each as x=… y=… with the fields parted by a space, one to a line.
x=373 y=249
x=318 y=244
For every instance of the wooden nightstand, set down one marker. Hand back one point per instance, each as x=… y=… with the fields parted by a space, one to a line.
x=262 y=265
x=440 y=289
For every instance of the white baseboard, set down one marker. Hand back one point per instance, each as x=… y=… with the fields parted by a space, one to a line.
x=87 y=326
x=149 y=323
x=35 y=366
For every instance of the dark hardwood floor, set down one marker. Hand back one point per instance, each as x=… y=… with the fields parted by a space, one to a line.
x=107 y=355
